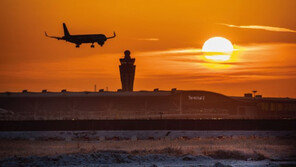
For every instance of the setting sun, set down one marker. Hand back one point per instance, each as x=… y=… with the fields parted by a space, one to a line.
x=217 y=49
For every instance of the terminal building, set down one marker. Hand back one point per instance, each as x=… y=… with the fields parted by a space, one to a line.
x=128 y=104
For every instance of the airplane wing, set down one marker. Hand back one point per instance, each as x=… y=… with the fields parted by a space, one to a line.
x=58 y=38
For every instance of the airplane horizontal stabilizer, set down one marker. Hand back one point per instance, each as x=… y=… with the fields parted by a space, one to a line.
x=52 y=36
x=114 y=35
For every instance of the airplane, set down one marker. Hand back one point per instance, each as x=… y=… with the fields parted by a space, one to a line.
x=79 y=39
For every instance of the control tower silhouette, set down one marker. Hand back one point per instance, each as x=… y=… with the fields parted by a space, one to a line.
x=127 y=71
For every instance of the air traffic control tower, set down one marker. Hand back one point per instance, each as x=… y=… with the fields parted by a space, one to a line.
x=127 y=71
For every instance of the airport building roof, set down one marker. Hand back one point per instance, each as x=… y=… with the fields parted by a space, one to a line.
x=156 y=92
x=270 y=99
x=85 y=93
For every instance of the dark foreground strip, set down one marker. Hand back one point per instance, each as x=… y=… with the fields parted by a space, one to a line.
x=62 y=125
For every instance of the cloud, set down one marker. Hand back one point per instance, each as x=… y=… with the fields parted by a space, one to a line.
x=148 y=39
x=194 y=60
x=260 y=27
x=228 y=76
x=184 y=51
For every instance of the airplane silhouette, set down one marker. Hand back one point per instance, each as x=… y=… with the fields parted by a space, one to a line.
x=79 y=39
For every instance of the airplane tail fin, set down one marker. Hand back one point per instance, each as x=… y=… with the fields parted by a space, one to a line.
x=66 y=32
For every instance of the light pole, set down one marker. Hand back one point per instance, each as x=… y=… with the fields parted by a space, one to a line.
x=254 y=92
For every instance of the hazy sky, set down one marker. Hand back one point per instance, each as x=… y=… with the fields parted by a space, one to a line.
x=165 y=37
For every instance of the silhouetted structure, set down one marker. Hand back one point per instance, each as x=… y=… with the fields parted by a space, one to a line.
x=85 y=38
x=144 y=105
x=127 y=71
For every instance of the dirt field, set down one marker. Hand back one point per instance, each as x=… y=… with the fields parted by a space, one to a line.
x=229 y=149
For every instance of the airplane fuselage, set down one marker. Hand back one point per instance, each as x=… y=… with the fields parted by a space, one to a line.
x=89 y=38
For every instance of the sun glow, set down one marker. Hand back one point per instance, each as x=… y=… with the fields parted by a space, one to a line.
x=218 y=57
x=217 y=49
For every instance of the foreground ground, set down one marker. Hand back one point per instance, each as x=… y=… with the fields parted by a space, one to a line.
x=148 y=148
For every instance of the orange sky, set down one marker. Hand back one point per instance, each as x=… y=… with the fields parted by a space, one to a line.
x=165 y=37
